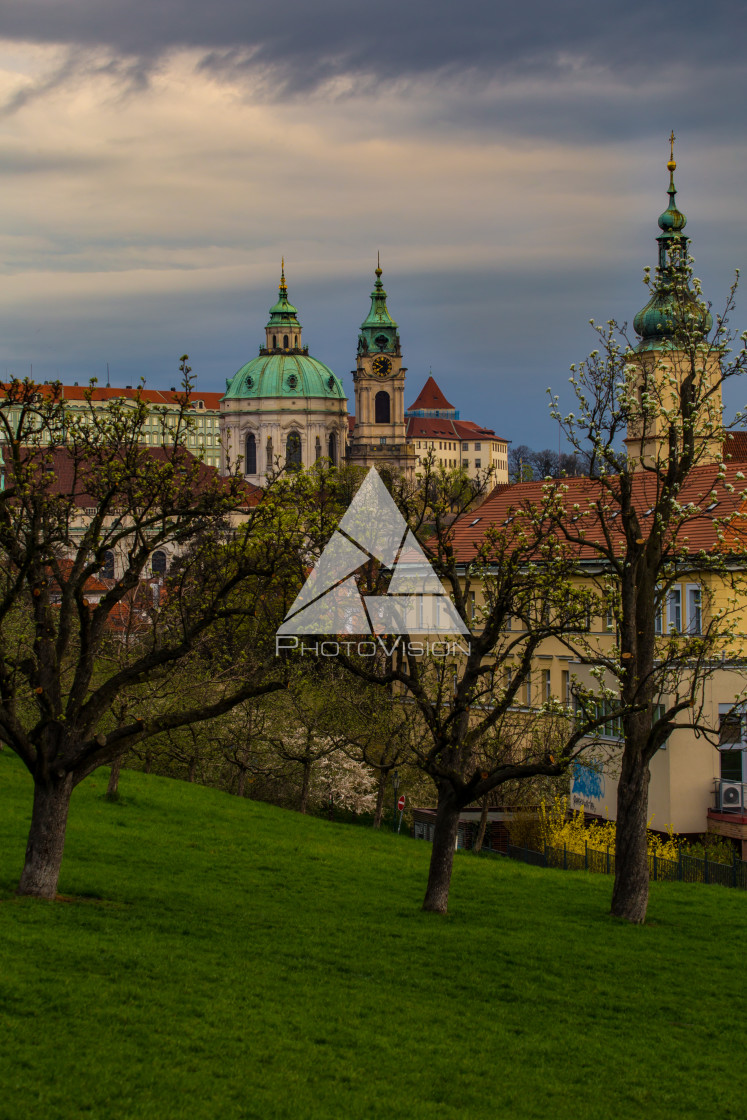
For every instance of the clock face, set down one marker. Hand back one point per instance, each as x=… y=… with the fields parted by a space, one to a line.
x=382 y=366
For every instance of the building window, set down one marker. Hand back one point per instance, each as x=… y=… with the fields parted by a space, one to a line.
x=478 y=447
x=566 y=682
x=471 y=606
x=478 y=462
x=318 y=450
x=274 y=342
x=528 y=690
x=332 y=448
x=382 y=407
x=107 y=568
x=285 y=342
x=694 y=614
x=674 y=610
x=293 y=452
x=659 y=615
x=250 y=458
x=158 y=563
x=465 y=464
x=465 y=447
x=547 y=684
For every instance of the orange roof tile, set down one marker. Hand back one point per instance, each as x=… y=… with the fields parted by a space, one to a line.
x=430 y=396
x=699 y=531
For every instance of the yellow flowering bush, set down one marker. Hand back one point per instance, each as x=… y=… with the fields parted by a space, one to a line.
x=557 y=828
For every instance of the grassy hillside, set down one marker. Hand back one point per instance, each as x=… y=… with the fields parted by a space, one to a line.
x=220 y=959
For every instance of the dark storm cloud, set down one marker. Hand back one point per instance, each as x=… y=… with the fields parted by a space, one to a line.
x=299 y=45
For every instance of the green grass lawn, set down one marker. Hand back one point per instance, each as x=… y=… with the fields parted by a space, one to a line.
x=220 y=958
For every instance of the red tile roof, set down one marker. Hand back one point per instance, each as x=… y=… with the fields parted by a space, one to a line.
x=580 y=497
x=434 y=427
x=735 y=447
x=150 y=396
x=430 y=396
x=70 y=473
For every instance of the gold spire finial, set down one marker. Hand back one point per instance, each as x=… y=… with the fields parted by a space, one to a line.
x=282 y=274
x=671 y=165
x=378 y=262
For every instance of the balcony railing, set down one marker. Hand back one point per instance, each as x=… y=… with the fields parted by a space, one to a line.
x=730 y=796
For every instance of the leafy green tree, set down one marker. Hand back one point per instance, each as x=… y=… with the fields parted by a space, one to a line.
x=77 y=492
x=649 y=418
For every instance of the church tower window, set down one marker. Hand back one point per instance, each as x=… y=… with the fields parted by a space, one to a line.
x=382 y=406
x=250 y=458
x=293 y=452
x=285 y=342
x=332 y=450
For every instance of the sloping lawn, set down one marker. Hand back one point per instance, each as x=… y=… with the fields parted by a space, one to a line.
x=217 y=958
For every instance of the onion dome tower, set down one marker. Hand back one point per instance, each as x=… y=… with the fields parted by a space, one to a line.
x=673 y=329
x=673 y=308
x=379 y=435
x=283 y=409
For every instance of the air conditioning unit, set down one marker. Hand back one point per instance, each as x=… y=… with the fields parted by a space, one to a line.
x=732 y=795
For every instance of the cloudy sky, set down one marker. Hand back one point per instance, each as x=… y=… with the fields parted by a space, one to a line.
x=508 y=160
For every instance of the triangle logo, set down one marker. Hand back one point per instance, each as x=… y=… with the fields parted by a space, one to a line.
x=372 y=529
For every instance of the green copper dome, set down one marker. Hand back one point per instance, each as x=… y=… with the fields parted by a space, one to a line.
x=378 y=331
x=283 y=375
x=284 y=367
x=673 y=308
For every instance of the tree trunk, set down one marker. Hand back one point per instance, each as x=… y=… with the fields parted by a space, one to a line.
x=192 y=768
x=442 y=855
x=46 y=841
x=380 y=791
x=630 y=892
x=148 y=762
x=305 y=786
x=241 y=786
x=112 y=790
x=477 y=847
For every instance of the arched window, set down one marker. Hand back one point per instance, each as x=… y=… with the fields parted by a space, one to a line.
x=158 y=563
x=293 y=452
x=285 y=342
x=250 y=456
x=107 y=568
x=381 y=405
x=274 y=342
x=295 y=340
x=318 y=450
x=332 y=448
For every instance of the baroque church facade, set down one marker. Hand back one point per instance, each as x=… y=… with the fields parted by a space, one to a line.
x=282 y=408
x=286 y=409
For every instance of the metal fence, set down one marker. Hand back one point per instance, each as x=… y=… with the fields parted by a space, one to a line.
x=685 y=869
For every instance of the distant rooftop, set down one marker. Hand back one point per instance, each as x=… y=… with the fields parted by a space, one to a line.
x=432 y=402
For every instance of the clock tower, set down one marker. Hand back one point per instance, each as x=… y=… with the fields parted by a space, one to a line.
x=378 y=438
